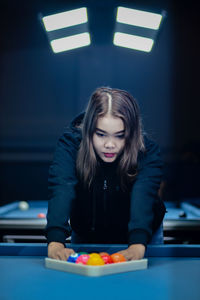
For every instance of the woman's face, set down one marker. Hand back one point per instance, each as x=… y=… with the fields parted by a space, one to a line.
x=108 y=139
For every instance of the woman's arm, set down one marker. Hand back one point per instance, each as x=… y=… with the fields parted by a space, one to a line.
x=144 y=195
x=62 y=181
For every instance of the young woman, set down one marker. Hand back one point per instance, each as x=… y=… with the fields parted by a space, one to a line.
x=105 y=178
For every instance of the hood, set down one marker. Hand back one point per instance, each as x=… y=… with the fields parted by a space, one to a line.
x=76 y=122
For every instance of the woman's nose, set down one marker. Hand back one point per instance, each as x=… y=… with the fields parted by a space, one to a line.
x=109 y=143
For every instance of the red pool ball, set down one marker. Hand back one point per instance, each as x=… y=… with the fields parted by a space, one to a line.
x=106 y=257
x=41 y=215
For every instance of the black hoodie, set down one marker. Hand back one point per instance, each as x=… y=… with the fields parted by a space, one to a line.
x=104 y=213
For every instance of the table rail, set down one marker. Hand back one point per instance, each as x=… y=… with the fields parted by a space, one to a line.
x=40 y=249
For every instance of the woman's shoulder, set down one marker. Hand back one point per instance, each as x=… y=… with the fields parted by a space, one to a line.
x=151 y=151
x=72 y=134
x=150 y=144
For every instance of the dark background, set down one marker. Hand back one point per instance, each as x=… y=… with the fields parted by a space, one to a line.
x=40 y=92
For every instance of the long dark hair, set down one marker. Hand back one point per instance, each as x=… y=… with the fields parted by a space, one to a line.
x=126 y=108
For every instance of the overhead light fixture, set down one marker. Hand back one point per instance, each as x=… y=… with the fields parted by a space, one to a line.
x=65 y=19
x=133 y=41
x=139 y=18
x=70 y=42
x=136 y=29
x=67 y=30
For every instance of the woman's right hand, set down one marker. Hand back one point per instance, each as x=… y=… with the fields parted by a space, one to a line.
x=58 y=251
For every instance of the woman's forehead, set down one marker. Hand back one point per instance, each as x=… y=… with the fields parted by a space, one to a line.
x=110 y=124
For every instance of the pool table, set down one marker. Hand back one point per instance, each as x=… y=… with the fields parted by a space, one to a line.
x=173 y=274
x=181 y=223
x=16 y=224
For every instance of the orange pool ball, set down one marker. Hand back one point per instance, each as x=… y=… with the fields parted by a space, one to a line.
x=117 y=258
x=41 y=215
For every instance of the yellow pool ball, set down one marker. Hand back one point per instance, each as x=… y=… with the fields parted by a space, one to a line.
x=95 y=260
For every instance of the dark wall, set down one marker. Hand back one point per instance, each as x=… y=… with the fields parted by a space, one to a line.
x=40 y=91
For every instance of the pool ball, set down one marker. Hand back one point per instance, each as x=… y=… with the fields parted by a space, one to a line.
x=82 y=259
x=106 y=257
x=95 y=260
x=94 y=255
x=117 y=258
x=182 y=214
x=73 y=257
x=23 y=205
x=41 y=215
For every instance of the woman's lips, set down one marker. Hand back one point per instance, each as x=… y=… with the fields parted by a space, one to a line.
x=109 y=155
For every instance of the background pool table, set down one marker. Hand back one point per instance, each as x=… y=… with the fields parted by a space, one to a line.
x=181 y=223
x=16 y=224
x=173 y=274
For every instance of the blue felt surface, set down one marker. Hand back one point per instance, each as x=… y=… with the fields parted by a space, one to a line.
x=173 y=214
x=191 y=209
x=192 y=213
x=12 y=211
x=26 y=278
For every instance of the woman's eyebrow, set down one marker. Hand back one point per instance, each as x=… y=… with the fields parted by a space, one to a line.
x=121 y=131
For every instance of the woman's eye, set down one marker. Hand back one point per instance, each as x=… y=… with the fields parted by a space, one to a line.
x=99 y=134
x=121 y=136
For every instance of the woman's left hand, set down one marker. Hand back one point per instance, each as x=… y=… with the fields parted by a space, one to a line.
x=134 y=252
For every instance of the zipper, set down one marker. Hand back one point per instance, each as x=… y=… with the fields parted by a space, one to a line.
x=105 y=185
x=93 y=211
x=105 y=188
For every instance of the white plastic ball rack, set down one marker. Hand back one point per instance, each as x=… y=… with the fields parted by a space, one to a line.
x=95 y=271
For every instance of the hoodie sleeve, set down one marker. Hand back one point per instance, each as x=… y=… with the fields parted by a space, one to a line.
x=62 y=181
x=144 y=195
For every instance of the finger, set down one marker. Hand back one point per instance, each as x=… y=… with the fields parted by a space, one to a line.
x=66 y=253
x=126 y=254
x=61 y=255
x=71 y=251
x=130 y=255
x=56 y=257
x=123 y=252
x=136 y=256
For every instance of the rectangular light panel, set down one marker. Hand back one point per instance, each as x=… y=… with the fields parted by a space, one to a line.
x=133 y=42
x=138 y=18
x=70 y=42
x=65 y=19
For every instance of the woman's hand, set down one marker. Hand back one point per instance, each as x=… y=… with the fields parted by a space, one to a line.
x=134 y=252
x=58 y=251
